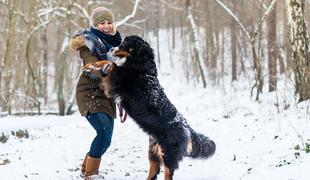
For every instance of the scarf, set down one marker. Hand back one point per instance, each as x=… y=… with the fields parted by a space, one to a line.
x=112 y=40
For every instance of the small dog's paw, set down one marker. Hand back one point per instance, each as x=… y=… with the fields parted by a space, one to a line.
x=88 y=67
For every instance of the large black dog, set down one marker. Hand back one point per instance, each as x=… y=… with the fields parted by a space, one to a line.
x=133 y=82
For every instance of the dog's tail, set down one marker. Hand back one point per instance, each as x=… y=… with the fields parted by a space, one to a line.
x=200 y=146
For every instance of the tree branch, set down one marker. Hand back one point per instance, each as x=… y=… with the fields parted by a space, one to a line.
x=262 y=3
x=236 y=19
x=270 y=7
x=21 y=14
x=135 y=24
x=251 y=38
x=4 y=3
x=82 y=9
x=46 y=11
x=27 y=48
x=171 y=6
x=133 y=13
x=15 y=12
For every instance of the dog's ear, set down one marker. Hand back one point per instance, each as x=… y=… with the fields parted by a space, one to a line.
x=142 y=48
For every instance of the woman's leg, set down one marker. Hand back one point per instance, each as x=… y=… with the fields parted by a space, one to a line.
x=103 y=124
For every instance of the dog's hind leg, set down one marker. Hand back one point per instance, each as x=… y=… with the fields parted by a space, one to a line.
x=171 y=158
x=170 y=164
x=168 y=173
x=154 y=168
x=153 y=159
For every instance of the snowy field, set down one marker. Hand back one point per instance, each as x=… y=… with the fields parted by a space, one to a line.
x=254 y=142
x=265 y=140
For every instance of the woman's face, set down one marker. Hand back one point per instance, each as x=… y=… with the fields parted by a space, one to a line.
x=105 y=26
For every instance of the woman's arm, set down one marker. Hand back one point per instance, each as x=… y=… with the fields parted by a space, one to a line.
x=86 y=55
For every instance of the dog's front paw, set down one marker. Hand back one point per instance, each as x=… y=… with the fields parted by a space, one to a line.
x=99 y=69
x=105 y=67
x=101 y=64
x=88 y=67
x=106 y=70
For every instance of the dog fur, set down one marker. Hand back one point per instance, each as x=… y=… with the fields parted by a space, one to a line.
x=135 y=85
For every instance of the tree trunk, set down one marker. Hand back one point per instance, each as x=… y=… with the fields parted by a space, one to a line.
x=157 y=14
x=207 y=37
x=212 y=48
x=173 y=31
x=194 y=33
x=233 y=42
x=60 y=91
x=287 y=44
x=62 y=66
x=6 y=68
x=45 y=66
x=300 y=42
x=272 y=48
x=32 y=50
x=223 y=57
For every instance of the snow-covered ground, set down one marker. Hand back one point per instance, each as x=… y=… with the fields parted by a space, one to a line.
x=255 y=140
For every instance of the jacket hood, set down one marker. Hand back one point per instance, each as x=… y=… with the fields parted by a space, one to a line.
x=77 y=42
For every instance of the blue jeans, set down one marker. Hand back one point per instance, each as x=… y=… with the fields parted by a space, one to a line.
x=103 y=124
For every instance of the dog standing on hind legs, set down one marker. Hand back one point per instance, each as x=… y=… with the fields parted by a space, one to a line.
x=133 y=81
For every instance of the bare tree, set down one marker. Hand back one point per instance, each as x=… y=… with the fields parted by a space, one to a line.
x=32 y=62
x=287 y=44
x=157 y=28
x=194 y=31
x=211 y=38
x=233 y=43
x=253 y=38
x=272 y=48
x=6 y=66
x=62 y=66
x=300 y=47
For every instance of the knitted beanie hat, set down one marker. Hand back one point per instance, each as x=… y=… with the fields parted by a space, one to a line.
x=100 y=14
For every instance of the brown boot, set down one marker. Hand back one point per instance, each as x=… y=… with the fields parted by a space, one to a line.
x=92 y=167
x=83 y=165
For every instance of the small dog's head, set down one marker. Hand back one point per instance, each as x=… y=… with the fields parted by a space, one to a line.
x=134 y=46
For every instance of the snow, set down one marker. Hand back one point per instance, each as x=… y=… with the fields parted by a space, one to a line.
x=252 y=140
x=255 y=140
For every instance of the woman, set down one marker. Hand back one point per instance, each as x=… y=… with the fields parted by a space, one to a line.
x=93 y=45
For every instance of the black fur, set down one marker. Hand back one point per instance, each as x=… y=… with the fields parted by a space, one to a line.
x=136 y=85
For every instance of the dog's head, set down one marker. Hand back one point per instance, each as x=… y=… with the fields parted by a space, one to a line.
x=134 y=46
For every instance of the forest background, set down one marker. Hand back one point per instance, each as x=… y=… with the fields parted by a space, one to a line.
x=222 y=41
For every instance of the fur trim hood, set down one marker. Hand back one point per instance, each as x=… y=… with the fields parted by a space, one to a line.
x=77 y=42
